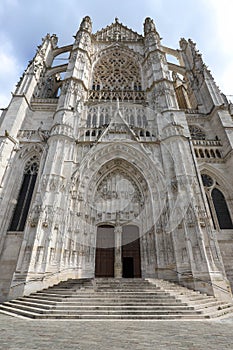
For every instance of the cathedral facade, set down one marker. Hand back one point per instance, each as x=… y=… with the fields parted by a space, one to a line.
x=116 y=161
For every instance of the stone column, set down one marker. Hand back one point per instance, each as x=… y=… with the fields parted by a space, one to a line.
x=118 y=251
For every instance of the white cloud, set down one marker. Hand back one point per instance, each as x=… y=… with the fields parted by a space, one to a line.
x=24 y=23
x=220 y=43
x=9 y=69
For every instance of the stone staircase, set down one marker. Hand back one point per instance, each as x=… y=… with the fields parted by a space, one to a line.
x=116 y=299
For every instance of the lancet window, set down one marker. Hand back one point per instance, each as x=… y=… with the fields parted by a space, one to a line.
x=217 y=203
x=25 y=195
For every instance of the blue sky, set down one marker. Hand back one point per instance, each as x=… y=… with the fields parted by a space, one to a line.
x=24 y=22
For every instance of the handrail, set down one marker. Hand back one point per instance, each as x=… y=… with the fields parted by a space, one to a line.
x=200 y=280
x=43 y=277
x=75 y=268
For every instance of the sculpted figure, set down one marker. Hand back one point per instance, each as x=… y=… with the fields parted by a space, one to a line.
x=149 y=25
x=86 y=24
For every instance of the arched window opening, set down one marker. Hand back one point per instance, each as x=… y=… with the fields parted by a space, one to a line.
x=101 y=119
x=221 y=209
x=107 y=119
x=25 y=195
x=131 y=120
x=139 y=120
x=94 y=120
x=217 y=203
x=144 y=121
x=89 y=121
x=212 y=153
x=207 y=153
x=201 y=153
x=218 y=153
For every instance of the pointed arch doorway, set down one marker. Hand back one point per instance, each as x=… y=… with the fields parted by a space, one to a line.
x=104 y=260
x=119 y=197
x=118 y=252
x=131 y=257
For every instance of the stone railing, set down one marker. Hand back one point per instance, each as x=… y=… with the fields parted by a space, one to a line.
x=93 y=134
x=207 y=143
x=44 y=103
x=208 y=149
x=122 y=95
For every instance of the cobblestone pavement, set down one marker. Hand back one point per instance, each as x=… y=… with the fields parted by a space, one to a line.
x=17 y=334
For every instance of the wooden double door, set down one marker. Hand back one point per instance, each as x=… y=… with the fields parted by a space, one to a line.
x=106 y=252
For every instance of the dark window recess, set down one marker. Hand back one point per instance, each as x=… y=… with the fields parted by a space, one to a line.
x=221 y=209
x=23 y=203
x=25 y=195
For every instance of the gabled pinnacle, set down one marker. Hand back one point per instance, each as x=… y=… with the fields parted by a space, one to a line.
x=117 y=32
x=118 y=125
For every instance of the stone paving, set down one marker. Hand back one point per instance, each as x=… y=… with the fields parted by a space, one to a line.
x=18 y=334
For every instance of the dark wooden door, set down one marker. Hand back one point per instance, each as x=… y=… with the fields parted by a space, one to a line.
x=104 y=262
x=131 y=252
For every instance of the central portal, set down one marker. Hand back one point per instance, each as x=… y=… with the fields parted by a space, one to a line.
x=118 y=252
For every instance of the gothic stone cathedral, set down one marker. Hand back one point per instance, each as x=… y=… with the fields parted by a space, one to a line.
x=117 y=163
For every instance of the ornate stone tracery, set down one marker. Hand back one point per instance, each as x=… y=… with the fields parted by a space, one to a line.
x=116 y=71
x=32 y=166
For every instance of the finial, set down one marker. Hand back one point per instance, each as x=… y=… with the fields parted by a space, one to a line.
x=116 y=19
x=149 y=25
x=86 y=24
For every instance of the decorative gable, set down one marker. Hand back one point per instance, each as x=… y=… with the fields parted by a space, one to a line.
x=117 y=32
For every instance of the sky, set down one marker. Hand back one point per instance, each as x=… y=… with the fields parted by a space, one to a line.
x=23 y=23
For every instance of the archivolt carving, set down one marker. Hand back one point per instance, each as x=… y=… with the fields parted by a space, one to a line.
x=118 y=195
x=30 y=149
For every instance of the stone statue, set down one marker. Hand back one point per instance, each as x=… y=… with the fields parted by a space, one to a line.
x=149 y=25
x=86 y=24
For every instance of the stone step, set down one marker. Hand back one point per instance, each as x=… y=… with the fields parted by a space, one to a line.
x=35 y=302
x=98 y=307
x=106 y=295
x=111 y=299
x=94 y=300
x=107 y=311
x=28 y=314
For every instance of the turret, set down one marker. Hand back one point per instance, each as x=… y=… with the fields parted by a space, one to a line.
x=161 y=91
x=152 y=38
x=202 y=86
x=42 y=59
x=76 y=79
